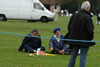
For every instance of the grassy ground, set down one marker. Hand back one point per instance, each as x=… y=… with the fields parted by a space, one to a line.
x=9 y=44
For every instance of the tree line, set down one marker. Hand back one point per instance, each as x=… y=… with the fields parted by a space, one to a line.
x=74 y=5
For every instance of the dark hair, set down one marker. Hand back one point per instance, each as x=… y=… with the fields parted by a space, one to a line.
x=35 y=30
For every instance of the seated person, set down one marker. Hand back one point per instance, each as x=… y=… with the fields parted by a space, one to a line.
x=57 y=46
x=31 y=44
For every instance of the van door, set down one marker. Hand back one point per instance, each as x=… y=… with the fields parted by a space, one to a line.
x=24 y=10
x=38 y=11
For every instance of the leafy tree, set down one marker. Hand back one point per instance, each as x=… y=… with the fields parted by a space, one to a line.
x=73 y=5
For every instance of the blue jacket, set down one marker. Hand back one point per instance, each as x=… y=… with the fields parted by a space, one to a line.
x=54 y=43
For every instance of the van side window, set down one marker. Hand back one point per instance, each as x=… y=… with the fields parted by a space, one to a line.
x=37 y=6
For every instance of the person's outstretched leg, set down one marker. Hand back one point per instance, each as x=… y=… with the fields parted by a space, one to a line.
x=29 y=48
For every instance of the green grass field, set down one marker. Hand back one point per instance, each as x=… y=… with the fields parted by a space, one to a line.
x=9 y=44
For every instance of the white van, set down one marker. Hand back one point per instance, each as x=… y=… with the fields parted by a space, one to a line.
x=24 y=9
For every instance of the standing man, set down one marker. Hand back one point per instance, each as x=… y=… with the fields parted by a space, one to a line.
x=80 y=28
x=56 y=45
x=32 y=42
x=98 y=16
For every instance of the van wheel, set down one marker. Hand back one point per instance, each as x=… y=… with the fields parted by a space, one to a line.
x=44 y=19
x=3 y=18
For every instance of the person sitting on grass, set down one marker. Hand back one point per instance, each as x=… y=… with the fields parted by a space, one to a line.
x=32 y=42
x=57 y=46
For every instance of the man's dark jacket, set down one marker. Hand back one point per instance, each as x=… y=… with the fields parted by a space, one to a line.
x=80 y=28
x=33 y=42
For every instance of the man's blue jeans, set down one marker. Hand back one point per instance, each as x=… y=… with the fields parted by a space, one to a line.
x=83 y=56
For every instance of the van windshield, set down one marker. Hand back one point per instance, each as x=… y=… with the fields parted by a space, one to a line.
x=37 y=6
